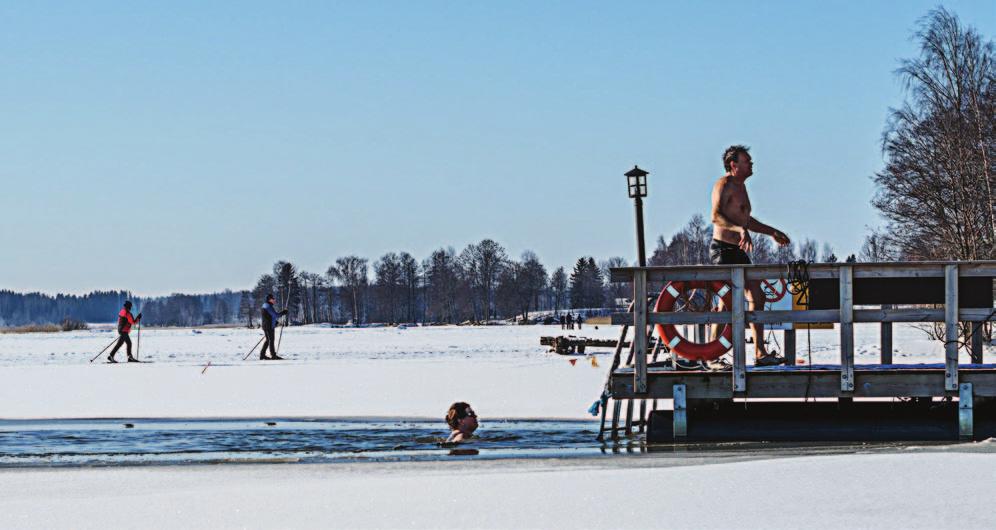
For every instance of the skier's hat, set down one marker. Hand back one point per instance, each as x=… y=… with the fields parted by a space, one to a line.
x=270 y=295
x=127 y=304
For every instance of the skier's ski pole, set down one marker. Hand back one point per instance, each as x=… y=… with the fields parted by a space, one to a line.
x=286 y=318
x=138 y=346
x=254 y=347
x=279 y=338
x=102 y=351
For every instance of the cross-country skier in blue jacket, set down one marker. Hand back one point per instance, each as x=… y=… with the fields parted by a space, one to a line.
x=270 y=316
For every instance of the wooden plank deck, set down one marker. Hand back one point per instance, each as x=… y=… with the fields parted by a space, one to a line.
x=822 y=381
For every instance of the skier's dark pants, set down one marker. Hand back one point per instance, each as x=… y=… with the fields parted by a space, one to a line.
x=123 y=339
x=268 y=332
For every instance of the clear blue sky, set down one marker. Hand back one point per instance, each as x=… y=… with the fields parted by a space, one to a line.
x=175 y=146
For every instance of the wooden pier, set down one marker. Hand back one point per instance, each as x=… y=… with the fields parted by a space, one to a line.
x=948 y=292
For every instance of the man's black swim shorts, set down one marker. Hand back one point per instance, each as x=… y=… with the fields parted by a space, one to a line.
x=723 y=253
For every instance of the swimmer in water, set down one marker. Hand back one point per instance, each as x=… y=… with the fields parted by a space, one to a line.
x=462 y=421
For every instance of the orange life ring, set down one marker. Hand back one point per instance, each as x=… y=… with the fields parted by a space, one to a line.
x=680 y=345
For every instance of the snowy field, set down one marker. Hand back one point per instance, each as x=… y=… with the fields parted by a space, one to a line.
x=418 y=372
x=941 y=489
x=337 y=372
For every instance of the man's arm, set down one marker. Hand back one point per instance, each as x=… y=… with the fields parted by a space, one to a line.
x=761 y=228
x=757 y=226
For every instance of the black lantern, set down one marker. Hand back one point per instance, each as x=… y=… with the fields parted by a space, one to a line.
x=637 y=180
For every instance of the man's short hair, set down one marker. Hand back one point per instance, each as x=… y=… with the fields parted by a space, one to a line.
x=732 y=154
x=457 y=412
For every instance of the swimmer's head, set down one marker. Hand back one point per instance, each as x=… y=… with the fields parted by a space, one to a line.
x=461 y=418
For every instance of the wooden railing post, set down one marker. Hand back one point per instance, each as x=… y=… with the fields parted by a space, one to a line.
x=790 y=348
x=739 y=331
x=846 y=329
x=885 y=340
x=640 y=331
x=951 y=327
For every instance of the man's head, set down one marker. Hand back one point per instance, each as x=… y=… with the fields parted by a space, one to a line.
x=270 y=299
x=461 y=418
x=737 y=161
x=127 y=305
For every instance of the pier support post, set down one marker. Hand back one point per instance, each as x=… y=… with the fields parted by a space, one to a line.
x=641 y=426
x=789 y=340
x=739 y=332
x=616 y=411
x=965 y=409
x=629 y=417
x=951 y=327
x=846 y=329
x=640 y=331
x=885 y=340
x=680 y=413
x=976 y=342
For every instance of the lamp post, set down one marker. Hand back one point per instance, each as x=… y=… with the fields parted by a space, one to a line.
x=636 y=180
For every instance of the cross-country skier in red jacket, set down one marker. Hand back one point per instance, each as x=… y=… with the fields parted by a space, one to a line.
x=125 y=322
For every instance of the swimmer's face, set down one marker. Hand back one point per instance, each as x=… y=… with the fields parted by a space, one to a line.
x=468 y=424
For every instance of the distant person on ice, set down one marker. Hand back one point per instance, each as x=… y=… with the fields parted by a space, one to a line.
x=731 y=240
x=462 y=421
x=270 y=316
x=125 y=322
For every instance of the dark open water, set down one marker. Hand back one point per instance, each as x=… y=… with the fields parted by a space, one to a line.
x=185 y=441
x=115 y=442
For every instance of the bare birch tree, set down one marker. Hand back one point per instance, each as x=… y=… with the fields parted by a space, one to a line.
x=936 y=191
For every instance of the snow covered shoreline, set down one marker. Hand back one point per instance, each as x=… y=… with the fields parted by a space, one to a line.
x=880 y=491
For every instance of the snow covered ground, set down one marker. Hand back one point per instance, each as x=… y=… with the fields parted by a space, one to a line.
x=943 y=489
x=415 y=372
x=418 y=372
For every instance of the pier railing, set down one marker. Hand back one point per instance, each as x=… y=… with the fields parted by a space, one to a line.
x=846 y=316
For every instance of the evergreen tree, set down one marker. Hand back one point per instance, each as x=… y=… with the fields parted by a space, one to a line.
x=558 y=288
x=247 y=307
x=587 y=285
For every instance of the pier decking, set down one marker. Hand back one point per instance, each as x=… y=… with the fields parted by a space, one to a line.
x=640 y=378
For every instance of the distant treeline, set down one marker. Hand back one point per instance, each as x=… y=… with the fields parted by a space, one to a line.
x=20 y=309
x=479 y=284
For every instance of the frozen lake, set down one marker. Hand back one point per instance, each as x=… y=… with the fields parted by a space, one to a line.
x=364 y=408
x=342 y=372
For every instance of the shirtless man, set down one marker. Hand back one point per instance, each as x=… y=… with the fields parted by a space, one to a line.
x=731 y=239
